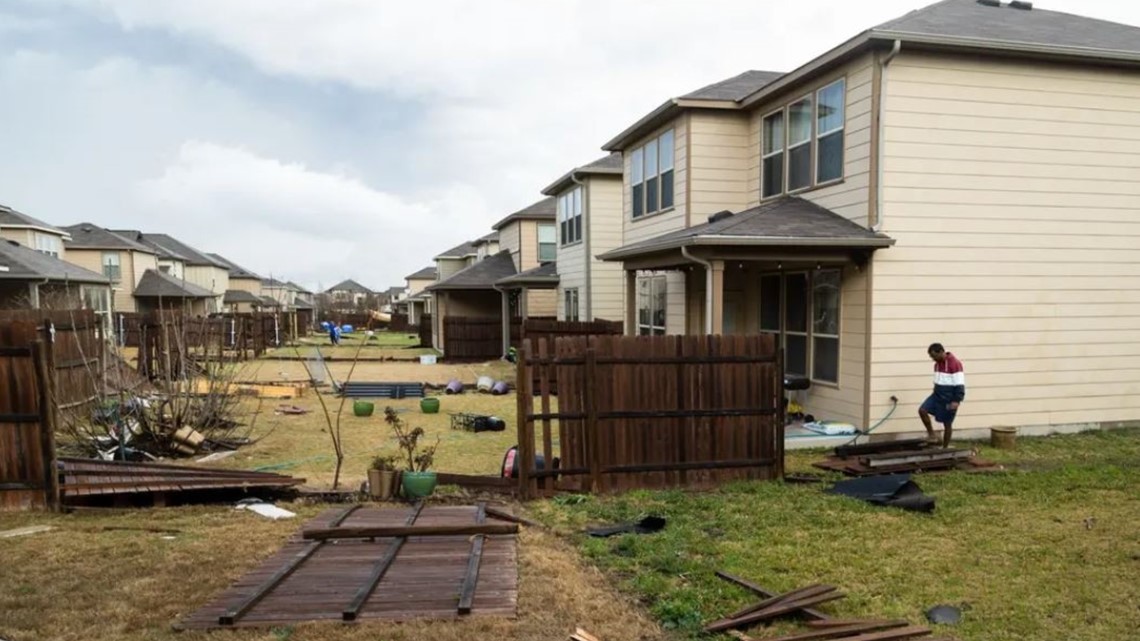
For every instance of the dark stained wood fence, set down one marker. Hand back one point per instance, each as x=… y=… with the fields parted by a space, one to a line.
x=75 y=346
x=466 y=338
x=27 y=423
x=650 y=412
x=399 y=323
x=425 y=330
x=546 y=329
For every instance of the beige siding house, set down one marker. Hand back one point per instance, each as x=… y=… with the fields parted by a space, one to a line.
x=965 y=174
x=589 y=205
x=187 y=264
x=419 y=302
x=122 y=260
x=32 y=233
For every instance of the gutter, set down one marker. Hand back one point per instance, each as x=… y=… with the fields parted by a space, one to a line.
x=895 y=49
x=708 y=287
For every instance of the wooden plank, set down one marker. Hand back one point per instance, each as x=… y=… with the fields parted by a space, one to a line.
x=230 y=616
x=811 y=590
x=745 y=412
x=909 y=632
x=771 y=612
x=593 y=429
x=544 y=376
x=907 y=458
x=343 y=514
x=495 y=512
x=19 y=419
x=834 y=623
x=835 y=631
x=377 y=532
x=379 y=569
x=45 y=388
x=525 y=452
x=471 y=576
x=876 y=447
x=764 y=592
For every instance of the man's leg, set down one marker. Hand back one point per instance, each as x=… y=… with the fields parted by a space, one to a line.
x=947 y=430
x=925 y=416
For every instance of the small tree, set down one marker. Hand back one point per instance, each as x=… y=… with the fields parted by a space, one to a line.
x=419 y=459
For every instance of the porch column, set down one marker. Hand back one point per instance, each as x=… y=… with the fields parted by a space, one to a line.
x=523 y=296
x=717 y=296
x=34 y=295
x=505 y=296
x=437 y=320
x=630 y=302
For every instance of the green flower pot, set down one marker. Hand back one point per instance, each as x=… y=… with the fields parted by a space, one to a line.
x=418 y=485
x=363 y=408
x=429 y=405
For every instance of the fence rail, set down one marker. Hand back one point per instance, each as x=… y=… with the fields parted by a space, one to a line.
x=651 y=412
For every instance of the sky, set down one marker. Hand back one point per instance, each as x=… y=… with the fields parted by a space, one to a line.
x=317 y=140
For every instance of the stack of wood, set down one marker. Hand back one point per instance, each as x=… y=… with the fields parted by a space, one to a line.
x=819 y=625
x=891 y=457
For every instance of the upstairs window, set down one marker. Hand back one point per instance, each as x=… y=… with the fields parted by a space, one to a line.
x=799 y=144
x=830 y=117
x=802 y=143
x=547 y=243
x=112 y=268
x=46 y=244
x=570 y=216
x=651 y=176
x=772 y=180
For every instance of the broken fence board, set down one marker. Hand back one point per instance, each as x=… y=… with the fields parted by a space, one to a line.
x=771 y=612
x=833 y=632
x=408 y=530
x=794 y=595
x=764 y=592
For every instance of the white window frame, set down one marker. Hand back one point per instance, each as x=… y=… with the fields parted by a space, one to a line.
x=841 y=129
x=117 y=264
x=808 y=142
x=814 y=284
x=810 y=335
x=552 y=243
x=638 y=155
x=570 y=217
x=653 y=284
x=49 y=244
x=779 y=151
x=570 y=304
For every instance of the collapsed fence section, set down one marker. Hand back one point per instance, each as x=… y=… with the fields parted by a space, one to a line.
x=649 y=412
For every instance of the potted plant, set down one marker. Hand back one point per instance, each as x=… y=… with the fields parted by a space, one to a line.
x=417 y=479
x=362 y=408
x=382 y=476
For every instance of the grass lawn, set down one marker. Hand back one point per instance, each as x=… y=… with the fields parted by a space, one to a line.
x=1049 y=549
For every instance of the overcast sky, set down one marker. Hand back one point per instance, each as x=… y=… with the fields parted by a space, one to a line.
x=316 y=140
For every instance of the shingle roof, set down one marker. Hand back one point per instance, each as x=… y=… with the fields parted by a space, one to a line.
x=234 y=296
x=189 y=254
x=12 y=218
x=395 y=290
x=297 y=288
x=971 y=20
x=155 y=284
x=425 y=273
x=789 y=221
x=273 y=282
x=22 y=263
x=544 y=209
x=482 y=275
x=609 y=164
x=89 y=236
x=735 y=88
x=461 y=250
x=269 y=301
x=544 y=276
x=349 y=285
x=236 y=271
x=162 y=251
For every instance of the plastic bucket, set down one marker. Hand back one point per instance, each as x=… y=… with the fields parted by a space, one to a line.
x=429 y=405
x=1003 y=438
x=418 y=485
x=484 y=384
x=499 y=388
x=363 y=408
x=453 y=387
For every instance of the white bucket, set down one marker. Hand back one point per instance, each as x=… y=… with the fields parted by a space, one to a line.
x=484 y=383
x=427 y=359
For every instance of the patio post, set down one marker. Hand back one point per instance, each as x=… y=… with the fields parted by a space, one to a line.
x=717 y=269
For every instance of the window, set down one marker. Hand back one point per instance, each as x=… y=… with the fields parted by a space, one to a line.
x=773 y=155
x=829 y=132
x=802 y=144
x=46 y=243
x=547 y=243
x=111 y=266
x=651 y=176
x=651 y=306
x=570 y=216
x=802 y=310
x=570 y=297
x=164 y=269
x=799 y=144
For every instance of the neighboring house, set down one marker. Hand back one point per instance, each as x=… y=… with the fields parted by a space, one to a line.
x=281 y=292
x=463 y=255
x=122 y=260
x=32 y=232
x=965 y=174
x=589 y=206
x=31 y=279
x=196 y=267
x=395 y=296
x=302 y=298
x=530 y=236
x=349 y=295
x=159 y=292
x=486 y=246
x=472 y=292
x=244 y=293
x=418 y=301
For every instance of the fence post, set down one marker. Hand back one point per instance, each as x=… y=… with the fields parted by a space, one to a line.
x=45 y=389
x=588 y=381
x=525 y=453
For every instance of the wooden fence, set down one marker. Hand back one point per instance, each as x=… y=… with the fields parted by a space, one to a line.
x=467 y=338
x=649 y=411
x=75 y=347
x=543 y=329
x=425 y=330
x=399 y=323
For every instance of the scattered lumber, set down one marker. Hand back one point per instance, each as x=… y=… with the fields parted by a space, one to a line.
x=503 y=515
x=913 y=456
x=82 y=478
x=390 y=531
x=582 y=635
x=845 y=631
x=766 y=593
x=810 y=591
x=877 y=447
x=784 y=606
x=831 y=623
x=891 y=457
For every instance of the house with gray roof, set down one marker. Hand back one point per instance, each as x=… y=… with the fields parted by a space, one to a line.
x=965 y=173
x=187 y=263
x=122 y=260
x=30 y=279
x=242 y=281
x=31 y=232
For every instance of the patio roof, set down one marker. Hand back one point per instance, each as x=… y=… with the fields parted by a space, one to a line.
x=544 y=276
x=155 y=284
x=788 y=222
x=482 y=275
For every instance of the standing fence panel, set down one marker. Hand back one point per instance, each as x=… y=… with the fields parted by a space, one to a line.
x=650 y=412
x=27 y=422
x=425 y=330
x=467 y=338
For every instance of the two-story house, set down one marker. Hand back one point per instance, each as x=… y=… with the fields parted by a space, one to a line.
x=964 y=174
x=418 y=301
x=244 y=293
x=349 y=295
x=183 y=263
x=123 y=261
x=32 y=233
x=32 y=279
x=589 y=216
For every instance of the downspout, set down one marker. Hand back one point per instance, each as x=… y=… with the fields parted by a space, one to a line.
x=879 y=151
x=708 y=287
x=587 y=258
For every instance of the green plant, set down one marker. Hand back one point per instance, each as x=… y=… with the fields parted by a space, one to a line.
x=419 y=458
x=385 y=462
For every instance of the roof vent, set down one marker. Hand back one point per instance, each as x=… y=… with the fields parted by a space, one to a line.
x=1020 y=4
x=720 y=215
x=990 y=3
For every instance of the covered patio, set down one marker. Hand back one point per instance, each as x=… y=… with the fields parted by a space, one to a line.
x=788 y=267
x=518 y=288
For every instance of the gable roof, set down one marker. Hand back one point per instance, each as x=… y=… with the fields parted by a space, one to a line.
x=482 y=275
x=12 y=218
x=545 y=276
x=462 y=250
x=544 y=209
x=234 y=296
x=236 y=271
x=423 y=274
x=163 y=252
x=168 y=247
x=89 y=236
x=723 y=94
x=297 y=288
x=349 y=285
x=273 y=282
x=609 y=164
x=790 y=221
x=156 y=284
x=269 y=301
x=18 y=262
x=492 y=237
x=395 y=290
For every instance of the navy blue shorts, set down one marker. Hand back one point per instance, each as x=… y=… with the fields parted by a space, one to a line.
x=939 y=410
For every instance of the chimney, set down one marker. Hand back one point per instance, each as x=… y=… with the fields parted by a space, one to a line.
x=720 y=215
